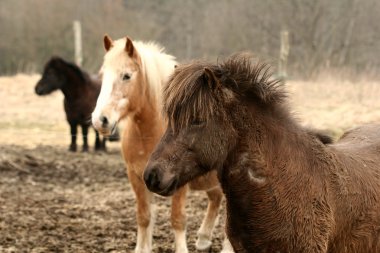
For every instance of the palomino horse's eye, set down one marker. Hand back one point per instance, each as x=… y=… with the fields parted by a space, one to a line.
x=126 y=77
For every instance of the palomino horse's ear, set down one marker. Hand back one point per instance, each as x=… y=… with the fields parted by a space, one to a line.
x=210 y=78
x=108 y=43
x=130 y=48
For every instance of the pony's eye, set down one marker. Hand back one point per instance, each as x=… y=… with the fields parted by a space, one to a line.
x=126 y=77
x=197 y=122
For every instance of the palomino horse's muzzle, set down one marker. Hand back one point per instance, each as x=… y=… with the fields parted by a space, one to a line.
x=104 y=126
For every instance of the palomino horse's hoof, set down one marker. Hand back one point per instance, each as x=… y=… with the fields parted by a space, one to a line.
x=143 y=250
x=227 y=251
x=203 y=244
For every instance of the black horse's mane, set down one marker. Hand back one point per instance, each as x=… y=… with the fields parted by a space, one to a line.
x=56 y=62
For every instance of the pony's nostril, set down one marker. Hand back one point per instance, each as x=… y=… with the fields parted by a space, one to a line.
x=104 y=120
x=152 y=180
x=37 y=90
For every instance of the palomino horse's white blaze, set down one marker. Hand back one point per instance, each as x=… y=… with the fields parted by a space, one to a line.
x=108 y=80
x=133 y=75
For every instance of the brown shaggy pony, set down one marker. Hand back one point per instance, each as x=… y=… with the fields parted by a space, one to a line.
x=285 y=190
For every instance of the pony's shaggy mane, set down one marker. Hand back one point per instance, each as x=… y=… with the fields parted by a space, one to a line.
x=190 y=97
x=55 y=61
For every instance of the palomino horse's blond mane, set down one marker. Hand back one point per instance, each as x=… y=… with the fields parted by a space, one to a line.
x=158 y=66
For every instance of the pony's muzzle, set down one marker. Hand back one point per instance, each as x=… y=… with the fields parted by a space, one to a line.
x=39 y=89
x=104 y=121
x=157 y=182
x=103 y=125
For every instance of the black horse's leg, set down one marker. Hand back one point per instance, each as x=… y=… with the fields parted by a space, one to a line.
x=84 y=135
x=73 y=131
x=98 y=144
x=104 y=143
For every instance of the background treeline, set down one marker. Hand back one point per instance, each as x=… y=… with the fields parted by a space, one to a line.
x=339 y=34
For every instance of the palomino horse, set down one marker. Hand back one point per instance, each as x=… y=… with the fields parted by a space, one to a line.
x=133 y=75
x=80 y=91
x=285 y=190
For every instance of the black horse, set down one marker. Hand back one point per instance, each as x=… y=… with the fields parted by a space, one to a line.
x=80 y=91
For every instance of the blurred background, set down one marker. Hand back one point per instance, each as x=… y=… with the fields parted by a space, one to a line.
x=324 y=34
x=52 y=200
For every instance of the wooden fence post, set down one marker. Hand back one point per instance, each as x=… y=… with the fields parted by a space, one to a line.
x=284 y=53
x=78 y=42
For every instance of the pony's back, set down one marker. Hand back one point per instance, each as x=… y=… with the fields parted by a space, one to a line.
x=356 y=186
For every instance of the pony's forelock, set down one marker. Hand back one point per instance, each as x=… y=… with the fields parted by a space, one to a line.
x=188 y=96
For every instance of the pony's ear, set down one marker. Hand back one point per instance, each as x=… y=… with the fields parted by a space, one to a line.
x=130 y=48
x=108 y=43
x=210 y=78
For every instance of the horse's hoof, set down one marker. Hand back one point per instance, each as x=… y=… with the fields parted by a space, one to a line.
x=143 y=251
x=85 y=149
x=203 y=244
x=181 y=250
x=73 y=148
x=101 y=149
x=226 y=251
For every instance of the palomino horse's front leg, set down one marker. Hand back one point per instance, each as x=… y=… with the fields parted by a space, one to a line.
x=145 y=213
x=178 y=219
x=215 y=197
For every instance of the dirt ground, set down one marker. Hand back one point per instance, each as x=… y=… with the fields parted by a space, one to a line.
x=52 y=200
x=55 y=201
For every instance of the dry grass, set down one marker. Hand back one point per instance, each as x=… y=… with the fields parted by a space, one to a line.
x=31 y=120
x=28 y=119
x=335 y=105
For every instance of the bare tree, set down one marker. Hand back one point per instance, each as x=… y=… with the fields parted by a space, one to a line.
x=334 y=34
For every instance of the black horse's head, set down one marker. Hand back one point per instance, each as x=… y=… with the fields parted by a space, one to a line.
x=52 y=78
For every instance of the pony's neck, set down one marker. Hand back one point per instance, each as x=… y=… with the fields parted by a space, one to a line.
x=271 y=153
x=147 y=116
x=266 y=144
x=70 y=88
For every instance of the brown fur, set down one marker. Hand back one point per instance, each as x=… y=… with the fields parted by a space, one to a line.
x=286 y=191
x=80 y=91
